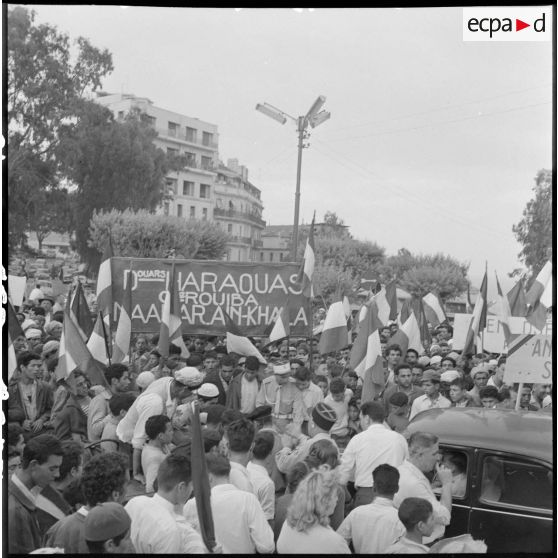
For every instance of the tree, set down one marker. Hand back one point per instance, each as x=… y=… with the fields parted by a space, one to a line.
x=142 y=234
x=49 y=213
x=534 y=231
x=114 y=164
x=328 y=280
x=45 y=84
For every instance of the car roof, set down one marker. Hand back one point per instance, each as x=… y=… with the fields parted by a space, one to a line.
x=521 y=432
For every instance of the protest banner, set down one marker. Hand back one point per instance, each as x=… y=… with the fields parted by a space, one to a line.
x=16 y=289
x=251 y=293
x=529 y=360
x=494 y=340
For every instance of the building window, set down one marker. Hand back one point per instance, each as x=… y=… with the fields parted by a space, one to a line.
x=281 y=256
x=229 y=228
x=192 y=212
x=187 y=188
x=204 y=213
x=171 y=184
x=204 y=191
x=120 y=115
x=173 y=129
x=207 y=139
x=190 y=159
x=149 y=120
x=179 y=210
x=206 y=163
x=191 y=134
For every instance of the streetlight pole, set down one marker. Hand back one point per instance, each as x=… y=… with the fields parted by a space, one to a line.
x=314 y=117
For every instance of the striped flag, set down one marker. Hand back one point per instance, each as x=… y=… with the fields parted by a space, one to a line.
x=517 y=300
x=104 y=285
x=408 y=335
x=391 y=297
x=14 y=331
x=366 y=355
x=505 y=312
x=238 y=343
x=79 y=310
x=539 y=297
x=433 y=309
x=200 y=481
x=171 y=321
x=404 y=313
x=97 y=343
x=73 y=353
x=335 y=333
x=282 y=328
x=478 y=320
x=418 y=308
x=386 y=301
x=307 y=268
x=121 y=345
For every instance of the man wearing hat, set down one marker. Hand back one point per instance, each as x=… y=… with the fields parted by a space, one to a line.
x=283 y=396
x=479 y=375
x=207 y=394
x=34 y=338
x=107 y=530
x=160 y=397
x=322 y=419
x=53 y=331
x=243 y=389
x=47 y=302
x=432 y=398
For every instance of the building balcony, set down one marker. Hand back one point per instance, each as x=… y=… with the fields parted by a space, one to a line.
x=240 y=239
x=242 y=215
x=257 y=243
x=179 y=135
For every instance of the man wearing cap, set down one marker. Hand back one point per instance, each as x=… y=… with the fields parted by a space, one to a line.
x=30 y=398
x=107 y=530
x=222 y=377
x=47 y=303
x=162 y=396
x=322 y=419
x=479 y=375
x=243 y=389
x=207 y=394
x=283 y=396
x=34 y=338
x=435 y=362
x=432 y=398
x=53 y=331
x=403 y=384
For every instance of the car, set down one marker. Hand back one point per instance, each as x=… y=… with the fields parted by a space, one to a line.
x=507 y=457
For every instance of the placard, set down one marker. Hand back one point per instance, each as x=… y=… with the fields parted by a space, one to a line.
x=529 y=360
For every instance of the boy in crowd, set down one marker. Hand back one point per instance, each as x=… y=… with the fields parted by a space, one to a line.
x=417 y=517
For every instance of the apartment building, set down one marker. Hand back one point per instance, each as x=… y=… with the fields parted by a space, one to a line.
x=190 y=192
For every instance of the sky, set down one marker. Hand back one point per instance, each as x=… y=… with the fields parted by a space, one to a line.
x=432 y=145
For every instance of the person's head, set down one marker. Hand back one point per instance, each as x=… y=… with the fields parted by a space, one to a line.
x=398 y=403
x=417 y=371
x=141 y=344
x=218 y=469
x=195 y=360
x=159 y=428
x=227 y=368
x=54 y=329
x=185 y=380
x=211 y=439
x=295 y=474
x=344 y=353
x=371 y=412
x=72 y=461
x=46 y=304
x=199 y=345
x=424 y=451
x=263 y=446
x=13 y=462
x=104 y=478
x=214 y=414
x=20 y=344
x=292 y=352
x=480 y=376
x=417 y=516
x=322 y=383
x=314 y=500
x=240 y=435
x=118 y=377
x=525 y=396
x=29 y=364
x=323 y=452
x=393 y=355
x=282 y=373
x=444 y=332
x=350 y=378
x=210 y=361
x=489 y=396
x=322 y=420
x=403 y=375
x=386 y=480
x=173 y=360
x=431 y=383
x=302 y=350
x=81 y=384
x=41 y=459
x=251 y=368
x=15 y=437
x=120 y=403
x=106 y=530
x=174 y=478
x=455 y=461
x=284 y=352
x=448 y=363
x=354 y=410
x=302 y=378
x=337 y=389
x=295 y=364
x=457 y=390
x=540 y=391
x=411 y=356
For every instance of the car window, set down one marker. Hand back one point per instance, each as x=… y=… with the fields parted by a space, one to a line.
x=516 y=482
x=457 y=461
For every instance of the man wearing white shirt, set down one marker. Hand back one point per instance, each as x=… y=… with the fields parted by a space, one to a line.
x=432 y=398
x=258 y=472
x=377 y=444
x=156 y=528
x=424 y=456
x=240 y=437
x=375 y=526
x=311 y=393
x=240 y=523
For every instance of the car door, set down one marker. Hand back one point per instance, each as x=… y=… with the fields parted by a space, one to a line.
x=512 y=503
x=461 y=504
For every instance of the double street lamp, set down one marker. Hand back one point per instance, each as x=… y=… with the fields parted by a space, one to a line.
x=314 y=117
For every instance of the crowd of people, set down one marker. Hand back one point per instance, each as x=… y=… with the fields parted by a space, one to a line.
x=297 y=461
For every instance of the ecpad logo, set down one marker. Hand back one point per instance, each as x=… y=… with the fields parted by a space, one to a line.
x=507 y=24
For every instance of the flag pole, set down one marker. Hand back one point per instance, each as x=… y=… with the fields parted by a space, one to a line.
x=105 y=337
x=518 y=400
x=311 y=326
